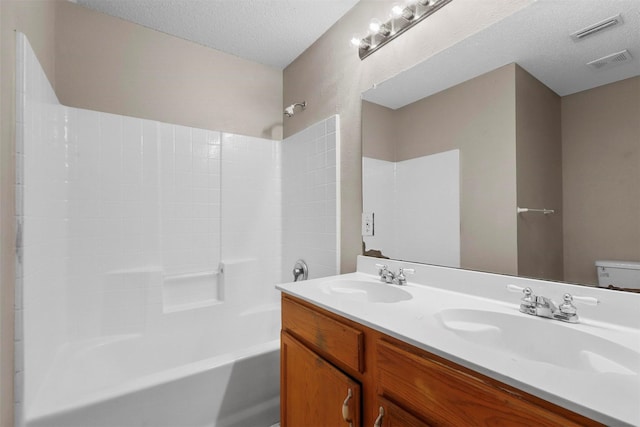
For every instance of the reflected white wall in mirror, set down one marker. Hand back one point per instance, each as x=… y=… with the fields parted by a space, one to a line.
x=418 y=223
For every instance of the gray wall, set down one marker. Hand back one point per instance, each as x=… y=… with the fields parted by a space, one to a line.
x=108 y=64
x=379 y=135
x=539 y=178
x=601 y=177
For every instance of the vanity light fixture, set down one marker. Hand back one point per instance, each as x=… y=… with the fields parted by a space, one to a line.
x=403 y=16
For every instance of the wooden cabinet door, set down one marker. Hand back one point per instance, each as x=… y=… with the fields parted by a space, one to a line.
x=313 y=392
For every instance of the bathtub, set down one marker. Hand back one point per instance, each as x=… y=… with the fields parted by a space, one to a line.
x=167 y=379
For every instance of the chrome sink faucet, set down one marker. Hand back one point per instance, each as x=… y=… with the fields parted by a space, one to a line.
x=389 y=276
x=385 y=274
x=540 y=306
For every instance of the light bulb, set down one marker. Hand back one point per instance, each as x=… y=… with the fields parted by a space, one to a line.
x=378 y=28
x=405 y=9
x=359 y=42
x=396 y=9
x=374 y=26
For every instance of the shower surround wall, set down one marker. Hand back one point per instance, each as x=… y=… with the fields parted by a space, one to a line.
x=311 y=199
x=164 y=236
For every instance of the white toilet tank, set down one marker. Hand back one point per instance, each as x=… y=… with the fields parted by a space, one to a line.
x=622 y=274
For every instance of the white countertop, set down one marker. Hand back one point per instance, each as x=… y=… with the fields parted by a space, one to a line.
x=609 y=397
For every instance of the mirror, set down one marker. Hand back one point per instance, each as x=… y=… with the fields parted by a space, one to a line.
x=515 y=151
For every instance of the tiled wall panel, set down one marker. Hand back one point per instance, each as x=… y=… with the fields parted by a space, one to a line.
x=310 y=199
x=251 y=227
x=112 y=210
x=42 y=184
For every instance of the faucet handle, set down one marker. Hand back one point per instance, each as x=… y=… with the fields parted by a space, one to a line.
x=583 y=300
x=568 y=312
x=384 y=273
x=528 y=293
x=515 y=288
x=401 y=279
x=529 y=298
x=567 y=306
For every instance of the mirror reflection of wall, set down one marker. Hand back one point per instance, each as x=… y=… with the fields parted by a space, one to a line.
x=520 y=144
x=601 y=177
x=414 y=222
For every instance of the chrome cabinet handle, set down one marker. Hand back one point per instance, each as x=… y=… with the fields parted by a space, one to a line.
x=378 y=422
x=345 y=409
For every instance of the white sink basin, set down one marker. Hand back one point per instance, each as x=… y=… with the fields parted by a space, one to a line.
x=541 y=340
x=365 y=291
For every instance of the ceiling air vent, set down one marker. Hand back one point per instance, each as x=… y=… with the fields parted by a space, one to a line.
x=596 y=28
x=610 y=60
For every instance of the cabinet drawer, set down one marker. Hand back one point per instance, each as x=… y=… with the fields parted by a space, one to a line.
x=391 y=415
x=445 y=396
x=330 y=338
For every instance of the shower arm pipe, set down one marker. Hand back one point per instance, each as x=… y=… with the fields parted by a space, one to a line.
x=543 y=211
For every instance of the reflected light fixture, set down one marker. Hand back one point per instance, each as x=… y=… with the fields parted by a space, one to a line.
x=403 y=16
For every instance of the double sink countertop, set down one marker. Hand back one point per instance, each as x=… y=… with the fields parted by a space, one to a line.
x=591 y=367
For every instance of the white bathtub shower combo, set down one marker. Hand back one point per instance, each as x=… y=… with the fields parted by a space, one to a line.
x=147 y=260
x=168 y=380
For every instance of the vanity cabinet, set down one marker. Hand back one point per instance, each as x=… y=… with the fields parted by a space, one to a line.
x=317 y=351
x=314 y=392
x=392 y=383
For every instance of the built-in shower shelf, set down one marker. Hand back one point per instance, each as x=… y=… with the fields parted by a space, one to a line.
x=190 y=290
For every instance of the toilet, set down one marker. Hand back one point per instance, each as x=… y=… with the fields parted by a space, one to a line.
x=621 y=274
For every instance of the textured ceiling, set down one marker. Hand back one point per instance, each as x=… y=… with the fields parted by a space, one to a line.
x=271 y=32
x=538 y=39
